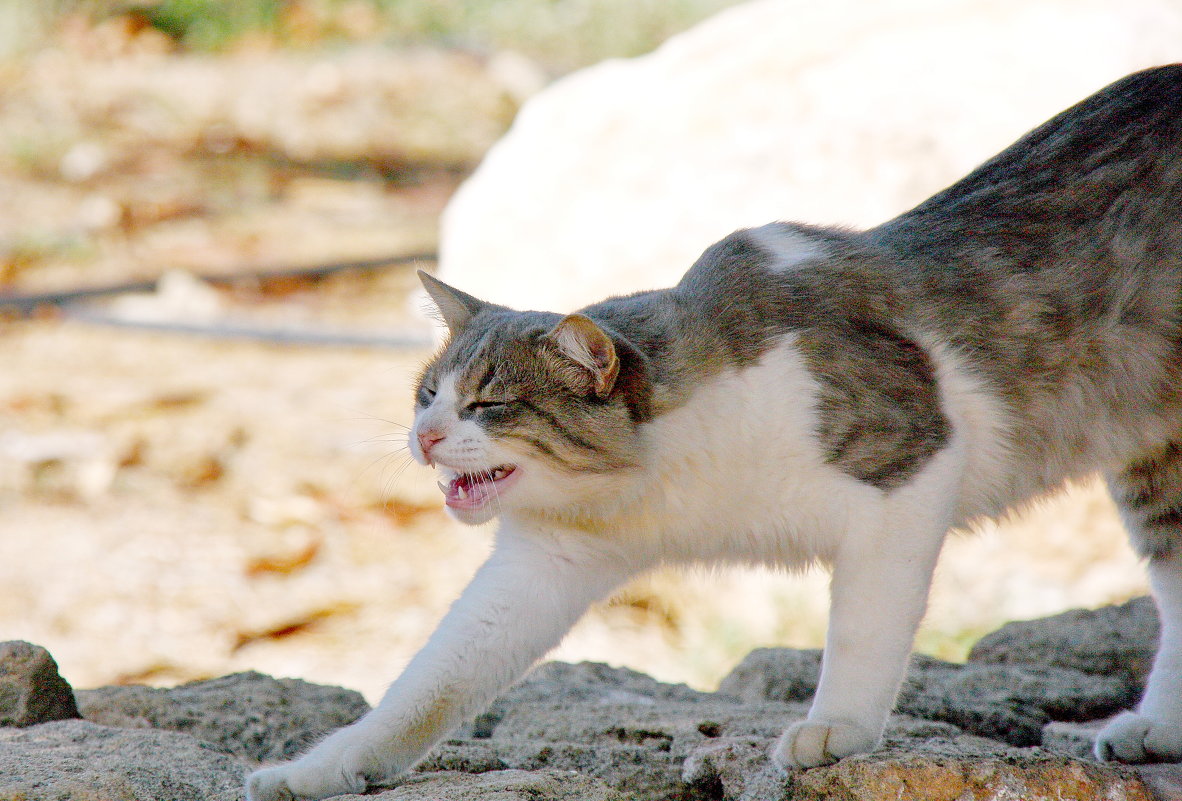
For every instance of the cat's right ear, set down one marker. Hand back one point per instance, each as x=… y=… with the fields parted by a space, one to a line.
x=591 y=364
x=455 y=307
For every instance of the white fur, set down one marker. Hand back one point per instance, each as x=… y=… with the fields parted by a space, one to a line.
x=466 y=448
x=720 y=445
x=734 y=475
x=789 y=247
x=1153 y=733
x=881 y=577
x=981 y=428
x=441 y=415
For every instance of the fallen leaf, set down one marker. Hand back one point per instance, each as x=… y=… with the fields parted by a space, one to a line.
x=286 y=564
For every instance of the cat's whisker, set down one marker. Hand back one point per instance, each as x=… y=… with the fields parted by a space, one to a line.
x=395 y=423
x=487 y=476
x=392 y=479
x=404 y=460
x=396 y=437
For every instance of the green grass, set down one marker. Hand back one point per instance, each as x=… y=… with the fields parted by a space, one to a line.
x=564 y=34
x=213 y=24
x=561 y=34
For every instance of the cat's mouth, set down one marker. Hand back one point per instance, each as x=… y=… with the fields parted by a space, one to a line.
x=476 y=490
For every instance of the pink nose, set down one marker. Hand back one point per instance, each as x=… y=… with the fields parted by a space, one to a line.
x=429 y=439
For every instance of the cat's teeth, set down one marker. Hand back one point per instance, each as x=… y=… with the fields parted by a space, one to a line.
x=461 y=493
x=442 y=487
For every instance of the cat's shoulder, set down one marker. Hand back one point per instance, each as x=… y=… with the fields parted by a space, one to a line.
x=761 y=254
x=780 y=256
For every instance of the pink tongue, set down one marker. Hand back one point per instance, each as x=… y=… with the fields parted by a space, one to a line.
x=476 y=493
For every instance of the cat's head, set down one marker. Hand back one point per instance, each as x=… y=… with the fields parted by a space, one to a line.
x=525 y=411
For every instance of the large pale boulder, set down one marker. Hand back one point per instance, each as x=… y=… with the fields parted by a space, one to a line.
x=615 y=178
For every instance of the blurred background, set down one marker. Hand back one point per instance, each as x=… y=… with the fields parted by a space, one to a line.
x=210 y=215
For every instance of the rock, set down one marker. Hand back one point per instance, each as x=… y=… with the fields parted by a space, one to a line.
x=636 y=748
x=940 y=770
x=31 y=689
x=1011 y=703
x=785 y=674
x=616 y=725
x=1076 y=739
x=78 y=760
x=615 y=178
x=934 y=765
x=587 y=681
x=592 y=681
x=502 y=785
x=1164 y=781
x=246 y=714
x=590 y=731
x=940 y=767
x=724 y=767
x=1110 y=641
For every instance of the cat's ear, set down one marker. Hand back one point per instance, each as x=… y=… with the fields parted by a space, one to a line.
x=455 y=307
x=595 y=363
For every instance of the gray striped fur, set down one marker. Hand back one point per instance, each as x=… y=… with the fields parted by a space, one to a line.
x=1054 y=271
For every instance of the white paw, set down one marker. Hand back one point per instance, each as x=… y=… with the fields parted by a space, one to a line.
x=294 y=781
x=338 y=765
x=810 y=743
x=1134 y=738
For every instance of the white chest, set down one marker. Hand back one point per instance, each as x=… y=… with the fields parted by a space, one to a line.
x=736 y=474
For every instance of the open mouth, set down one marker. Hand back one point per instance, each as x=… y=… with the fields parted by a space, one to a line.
x=475 y=490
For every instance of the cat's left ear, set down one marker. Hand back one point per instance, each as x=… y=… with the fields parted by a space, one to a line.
x=455 y=307
x=596 y=364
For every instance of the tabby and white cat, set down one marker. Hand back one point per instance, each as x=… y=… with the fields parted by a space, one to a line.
x=818 y=395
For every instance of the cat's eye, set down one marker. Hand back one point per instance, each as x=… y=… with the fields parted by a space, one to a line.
x=426 y=395
x=487 y=404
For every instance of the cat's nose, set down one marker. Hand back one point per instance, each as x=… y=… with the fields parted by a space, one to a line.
x=429 y=439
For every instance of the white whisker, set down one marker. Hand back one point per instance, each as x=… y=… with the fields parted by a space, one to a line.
x=487 y=476
x=392 y=479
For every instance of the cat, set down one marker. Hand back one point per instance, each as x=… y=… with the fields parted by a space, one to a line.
x=811 y=394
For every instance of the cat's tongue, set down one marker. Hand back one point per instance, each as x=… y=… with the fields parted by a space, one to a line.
x=467 y=491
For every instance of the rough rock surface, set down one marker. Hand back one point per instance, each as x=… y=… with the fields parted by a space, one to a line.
x=246 y=714
x=781 y=674
x=1113 y=640
x=501 y=785
x=83 y=761
x=615 y=178
x=31 y=689
x=596 y=733
x=1008 y=702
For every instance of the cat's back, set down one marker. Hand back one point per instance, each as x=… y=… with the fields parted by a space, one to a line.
x=1053 y=271
x=1102 y=182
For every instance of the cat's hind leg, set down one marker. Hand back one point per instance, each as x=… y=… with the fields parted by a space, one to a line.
x=1149 y=496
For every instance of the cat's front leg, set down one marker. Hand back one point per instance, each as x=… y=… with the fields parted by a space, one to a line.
x=517 y=607
x=881 y=577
